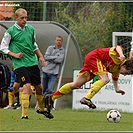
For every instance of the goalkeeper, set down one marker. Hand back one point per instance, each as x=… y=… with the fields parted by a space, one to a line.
x=97 y=63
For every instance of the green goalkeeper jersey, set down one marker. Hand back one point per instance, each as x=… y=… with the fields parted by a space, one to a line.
x=21 y=40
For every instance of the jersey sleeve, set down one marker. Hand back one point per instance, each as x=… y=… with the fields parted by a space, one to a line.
x=4 y=47
x=114 y=55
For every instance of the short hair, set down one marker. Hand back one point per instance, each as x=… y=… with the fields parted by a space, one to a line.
x=60 y=37
x=20 y=10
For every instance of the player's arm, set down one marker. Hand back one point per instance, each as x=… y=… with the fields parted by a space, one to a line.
x=131 y=51
x=18 y=55
x=4 y=47
x=40 y=56
x=131 y=54
x=115 y=82
x=38 y=52
x=119 y=50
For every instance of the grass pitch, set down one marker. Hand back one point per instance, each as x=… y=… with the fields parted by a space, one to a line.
x=66 y=120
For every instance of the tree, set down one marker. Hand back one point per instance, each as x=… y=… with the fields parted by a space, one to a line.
x=93 y=24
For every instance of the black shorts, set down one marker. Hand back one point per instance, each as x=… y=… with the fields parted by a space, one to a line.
x=17 y=79
x=28 y=75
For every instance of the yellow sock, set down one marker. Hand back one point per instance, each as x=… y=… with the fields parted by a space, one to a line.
x=94 y=89
x=11 y=98
x=65 y=89
x=40 y=102
x=20 y=95
x=25 y=104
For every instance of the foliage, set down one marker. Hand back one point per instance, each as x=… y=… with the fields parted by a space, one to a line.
x=94 y=23
x=34 y=9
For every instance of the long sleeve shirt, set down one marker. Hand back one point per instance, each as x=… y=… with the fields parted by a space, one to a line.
x=54 y=58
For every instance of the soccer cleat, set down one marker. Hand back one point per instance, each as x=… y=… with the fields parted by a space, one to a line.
x=46 y=113
x=24 y=117
x=49 y=102
x=87 y=102
x=16 y=106
x=36 y=107
x=7 y=107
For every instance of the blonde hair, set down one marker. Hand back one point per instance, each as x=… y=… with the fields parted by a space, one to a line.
x=20 y=10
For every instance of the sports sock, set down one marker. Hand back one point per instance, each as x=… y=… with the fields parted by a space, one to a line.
x=20 y=95
x=40 y=102
x=94 y=89
x=11 y=98
x=29 y=97
x=25 y=104
x=17 y=97
x=65 y=89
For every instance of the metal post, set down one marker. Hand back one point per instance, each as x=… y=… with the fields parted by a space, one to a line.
x=44 y=11
x=114 y=39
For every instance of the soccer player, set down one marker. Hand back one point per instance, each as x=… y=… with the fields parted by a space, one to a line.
x=11 y=91
x=19 y=43
x=97 y=63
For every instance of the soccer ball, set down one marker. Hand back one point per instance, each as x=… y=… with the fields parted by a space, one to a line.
x=113 y=116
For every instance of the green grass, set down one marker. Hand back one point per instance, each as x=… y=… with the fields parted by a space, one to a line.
x=64 y=120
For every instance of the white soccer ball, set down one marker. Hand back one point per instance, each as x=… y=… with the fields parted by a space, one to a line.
x=113 y=116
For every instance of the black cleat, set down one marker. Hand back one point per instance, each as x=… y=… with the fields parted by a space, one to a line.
x=49 y=102
x=46 y=113
x=16 y=106
x=24 y=117
x=87 y=102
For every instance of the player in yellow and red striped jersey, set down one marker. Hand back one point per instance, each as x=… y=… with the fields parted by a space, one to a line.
x=97 y=63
